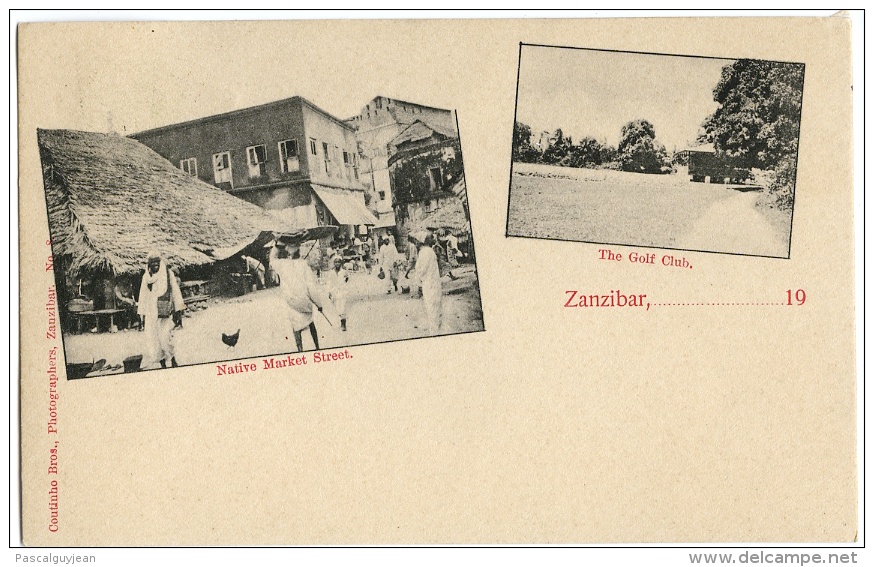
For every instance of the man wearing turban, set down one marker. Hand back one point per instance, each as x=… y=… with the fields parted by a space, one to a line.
x=160 y=300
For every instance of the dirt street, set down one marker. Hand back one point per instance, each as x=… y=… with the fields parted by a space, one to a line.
x=372 y=316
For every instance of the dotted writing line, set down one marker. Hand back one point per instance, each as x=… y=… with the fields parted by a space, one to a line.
x=738 y=304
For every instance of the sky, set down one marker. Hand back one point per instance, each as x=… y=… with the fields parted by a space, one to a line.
x=594 y=93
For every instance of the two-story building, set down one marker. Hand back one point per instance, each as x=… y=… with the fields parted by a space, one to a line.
x=289 y=157
x=380 y=121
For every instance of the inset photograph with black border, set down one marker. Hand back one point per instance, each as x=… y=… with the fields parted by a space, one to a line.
x=665 y=151
x=264 y=231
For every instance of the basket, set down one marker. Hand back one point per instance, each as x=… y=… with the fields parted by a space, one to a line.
x=132 y=363
x=78 y=370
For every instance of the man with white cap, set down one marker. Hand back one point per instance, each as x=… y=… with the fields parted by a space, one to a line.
x=160 y=300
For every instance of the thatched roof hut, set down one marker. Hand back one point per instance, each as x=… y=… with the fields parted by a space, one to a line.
x=112 y=200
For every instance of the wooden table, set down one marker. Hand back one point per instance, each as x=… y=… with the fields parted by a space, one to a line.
x=96 y=313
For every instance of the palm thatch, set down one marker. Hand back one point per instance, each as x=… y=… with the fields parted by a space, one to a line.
x=112 y=200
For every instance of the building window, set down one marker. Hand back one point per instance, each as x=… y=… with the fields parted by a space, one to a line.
x=435 y=178
x=221 y=165
x=326 y=150
x=256 y=156
x=313 y=149
x=288 y=158
x=347 y=162
x=189 y=166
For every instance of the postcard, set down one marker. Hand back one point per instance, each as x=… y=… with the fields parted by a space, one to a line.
x=333 y=282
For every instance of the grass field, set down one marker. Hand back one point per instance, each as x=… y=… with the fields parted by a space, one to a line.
x=611 y=207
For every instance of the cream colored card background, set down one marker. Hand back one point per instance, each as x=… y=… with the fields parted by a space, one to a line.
x=555 y=425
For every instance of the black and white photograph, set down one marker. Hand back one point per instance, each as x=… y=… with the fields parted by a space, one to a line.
x=666 y=151
x=303 y=209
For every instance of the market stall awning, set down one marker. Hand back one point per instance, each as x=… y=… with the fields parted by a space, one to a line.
x=385 y=221
x=344 y=206
x=226 y=252
x=450 y=214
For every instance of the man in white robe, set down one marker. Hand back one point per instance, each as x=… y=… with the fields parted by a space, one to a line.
x=428 y=274
x=388 y=262
x=159 y=284
x=299 y=288
x=337 y=279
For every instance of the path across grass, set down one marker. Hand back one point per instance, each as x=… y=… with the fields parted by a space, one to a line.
x=613 y=207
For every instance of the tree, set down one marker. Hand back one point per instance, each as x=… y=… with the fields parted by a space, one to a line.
x=759 y=120
x=608 y=154
x=638 y=149
x=759 y=114
x=633 y=132
x=522 y=148
x=705 y=133
x=586 y=154
x=558 y=149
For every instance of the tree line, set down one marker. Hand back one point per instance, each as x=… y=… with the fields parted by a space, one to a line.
x=638 y=150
